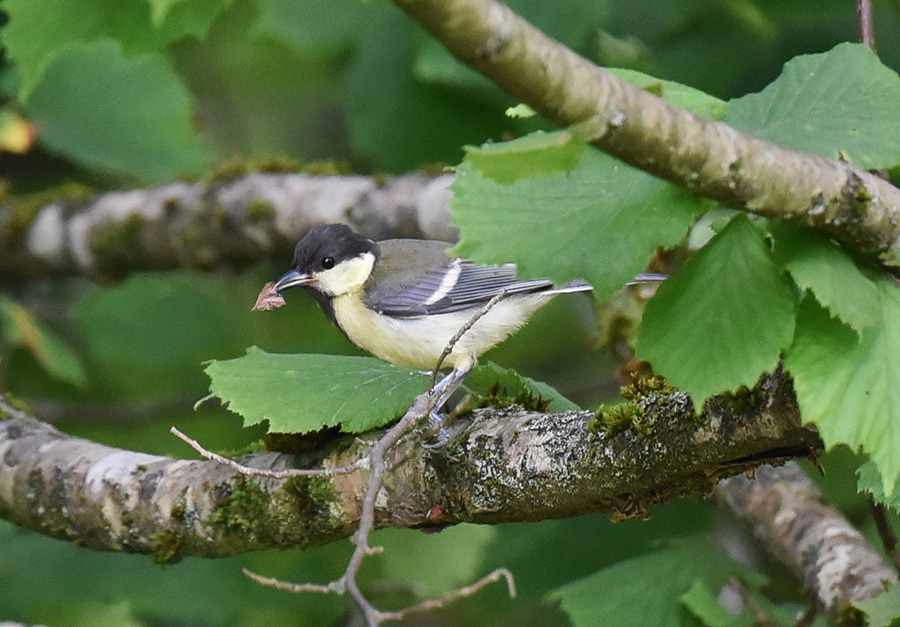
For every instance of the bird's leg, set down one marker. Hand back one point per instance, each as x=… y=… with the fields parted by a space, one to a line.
x=444 y=389
x=447 y=386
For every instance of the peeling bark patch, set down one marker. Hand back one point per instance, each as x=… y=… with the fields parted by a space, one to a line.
x=115 y=468
x=855 y=196
x=148 y=484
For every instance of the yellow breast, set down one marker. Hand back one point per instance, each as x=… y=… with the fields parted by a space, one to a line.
x=419 y=342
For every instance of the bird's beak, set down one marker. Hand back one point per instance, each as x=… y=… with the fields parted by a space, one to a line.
x=293 y=278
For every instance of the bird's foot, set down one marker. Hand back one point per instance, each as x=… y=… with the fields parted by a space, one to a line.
x=443 y=390
x=436 y=425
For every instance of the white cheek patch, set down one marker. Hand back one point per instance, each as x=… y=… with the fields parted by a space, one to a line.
x=347 y=276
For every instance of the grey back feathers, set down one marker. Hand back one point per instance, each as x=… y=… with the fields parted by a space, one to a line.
x=436 y=283
x=414 y=278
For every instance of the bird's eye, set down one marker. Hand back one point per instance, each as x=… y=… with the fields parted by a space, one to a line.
x=328 y=263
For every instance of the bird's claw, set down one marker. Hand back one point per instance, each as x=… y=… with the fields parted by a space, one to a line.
x=436 y=423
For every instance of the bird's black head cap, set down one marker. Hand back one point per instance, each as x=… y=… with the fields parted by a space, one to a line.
x=323 y=247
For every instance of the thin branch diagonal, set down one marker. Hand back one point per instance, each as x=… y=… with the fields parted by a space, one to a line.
x=377 y=459
x=263 y=472
x=454 y=595
x=462 y=331
x=855 y=207
x=789 y=516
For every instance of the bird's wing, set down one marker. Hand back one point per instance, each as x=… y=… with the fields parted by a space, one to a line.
x=453 y=286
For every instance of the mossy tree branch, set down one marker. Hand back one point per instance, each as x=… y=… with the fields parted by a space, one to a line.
x=235 y=222
x=501 y=466
x=226 y=223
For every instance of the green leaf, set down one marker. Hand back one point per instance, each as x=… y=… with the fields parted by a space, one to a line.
x=381 y=88
x=21 y=329
x=840 y=102
x=648 y=590
x=537 y=154
x=398 y=74
x=299 y=393
x=38 y=31
x=300 y=24
x=503 y=382
x=883 y=610
x=853 y=400
x=128 y=116
x=723 y=319
x=820 y=265
x=870 y=481
x=435 y=66
x=571 y=22
x=601 y=222
x=682 y=95
x=145 y=335
x=196 y=592
x=303 y=393
x=94 y=613
x=702 y=604
x=174 y=20
x=160 y=9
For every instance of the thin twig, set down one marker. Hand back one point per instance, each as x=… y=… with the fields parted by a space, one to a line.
x=261 y=472
x=453 y=595
x=421 y=407
x=866 y=23
x=462 y=331
x=885 y=532
x=331 y=588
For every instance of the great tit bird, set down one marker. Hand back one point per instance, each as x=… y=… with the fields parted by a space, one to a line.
x=403 y=300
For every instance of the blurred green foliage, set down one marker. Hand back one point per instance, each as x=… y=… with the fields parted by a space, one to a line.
x=129 y=93
x=207 y=80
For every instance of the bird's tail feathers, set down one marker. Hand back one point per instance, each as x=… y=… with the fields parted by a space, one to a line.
x=578 y=285
x=647 y=277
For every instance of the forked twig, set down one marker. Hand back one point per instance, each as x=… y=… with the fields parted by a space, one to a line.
x=421 y=407
x=462 y=331
x=262 y=472
x=453 y=595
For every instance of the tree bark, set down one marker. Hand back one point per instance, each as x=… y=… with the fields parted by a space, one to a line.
x=857 y=208
x=236 y=222
x=817 y=544
x=223 y=224
x=500 y=466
